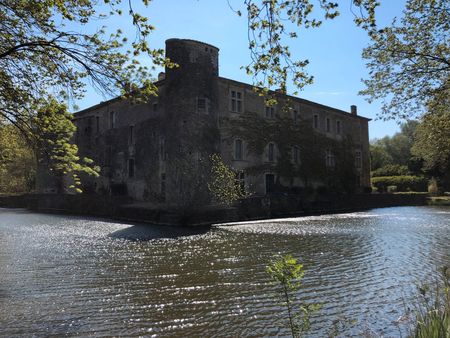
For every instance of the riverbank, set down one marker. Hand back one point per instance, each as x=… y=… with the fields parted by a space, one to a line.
x=254 y=208
x=439 y=200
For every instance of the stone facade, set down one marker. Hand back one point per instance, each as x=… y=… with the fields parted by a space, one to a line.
x=155 y=151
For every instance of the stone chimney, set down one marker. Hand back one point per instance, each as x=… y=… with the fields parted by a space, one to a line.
x=353 y=110
x=161 y=76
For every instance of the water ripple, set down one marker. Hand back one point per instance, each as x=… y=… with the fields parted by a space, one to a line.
x=85 y=276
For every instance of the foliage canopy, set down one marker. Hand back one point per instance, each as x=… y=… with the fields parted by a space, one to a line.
x=432 y=139
x=409 y=61
x=55 y=150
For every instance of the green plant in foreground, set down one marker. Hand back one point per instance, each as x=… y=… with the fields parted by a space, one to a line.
x=433 y=315
x=287 y=273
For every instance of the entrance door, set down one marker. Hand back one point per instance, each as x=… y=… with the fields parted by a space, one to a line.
x=270 y=183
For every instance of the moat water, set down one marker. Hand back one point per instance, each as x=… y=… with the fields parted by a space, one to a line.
x=67 y=275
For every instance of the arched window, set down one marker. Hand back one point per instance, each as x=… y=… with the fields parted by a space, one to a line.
x=238 y=149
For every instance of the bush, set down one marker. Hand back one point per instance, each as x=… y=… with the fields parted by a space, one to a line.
x=433 y=187
x=391 y=170
x=403 y=183
x=391 y=188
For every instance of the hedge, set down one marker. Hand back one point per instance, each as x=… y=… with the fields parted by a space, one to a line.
x=391 y=170
x=403 y=183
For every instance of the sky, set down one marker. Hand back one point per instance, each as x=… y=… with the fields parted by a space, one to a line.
x=334 y=49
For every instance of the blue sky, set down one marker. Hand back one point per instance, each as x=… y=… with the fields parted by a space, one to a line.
x=334 y=49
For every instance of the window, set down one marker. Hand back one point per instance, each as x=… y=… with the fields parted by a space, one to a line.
x=163 y=185
x=155 y=106
x=295 y=116
x=328 y=125
x=131 y=132
x=131 y=167
x=270 y=183
x=316 y=121
x=236 y=101
x=270 y=112
x=162 y=149
x=358 y=159
x=193 y=56
x=108 y=155
x=271 y=152
x=338 y=127
x=238 y=149
x=203 y=105
x=240 y=180
x=295 y=151
x=88 y=128
x=97 y=124
x=112 y=119
x=329 y=158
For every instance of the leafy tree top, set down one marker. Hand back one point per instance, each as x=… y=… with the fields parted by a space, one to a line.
x=41 y=55
x=409 y=61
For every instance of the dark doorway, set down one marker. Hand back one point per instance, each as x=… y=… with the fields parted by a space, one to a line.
x=270 y=183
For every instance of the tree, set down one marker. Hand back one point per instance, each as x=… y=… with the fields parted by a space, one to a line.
x=379 y=157
x=54 y=149
x=41 y=52
x=222 y=182
x=17 y=161
x=395 y=150
x=409 y=61
x=432 y=141
x=47 y=48
x=272 y=27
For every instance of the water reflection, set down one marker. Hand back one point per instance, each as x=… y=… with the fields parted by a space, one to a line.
x=72 y=275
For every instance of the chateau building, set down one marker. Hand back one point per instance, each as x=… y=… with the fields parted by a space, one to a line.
x=157 y=151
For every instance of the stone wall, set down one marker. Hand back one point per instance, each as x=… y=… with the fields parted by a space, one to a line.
x=249 y=209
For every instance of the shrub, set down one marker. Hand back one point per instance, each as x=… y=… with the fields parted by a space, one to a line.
x=391 y=188
x=403 y=183
x=287 y=273
x=391 y=170
x=433 y=312
x=433 y=187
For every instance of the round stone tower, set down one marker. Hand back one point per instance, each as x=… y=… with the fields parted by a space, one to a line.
x=190 y=122
x=195 y=77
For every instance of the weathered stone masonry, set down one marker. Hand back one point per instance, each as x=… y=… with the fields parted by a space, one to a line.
x=149 y=151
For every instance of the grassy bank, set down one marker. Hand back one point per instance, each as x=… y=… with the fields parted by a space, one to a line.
x=439 y=200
